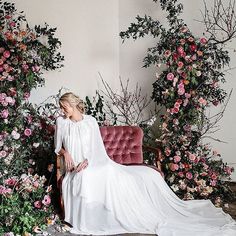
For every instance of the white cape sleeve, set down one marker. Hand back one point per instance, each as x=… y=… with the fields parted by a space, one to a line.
x=58 y=136
x=98 y=154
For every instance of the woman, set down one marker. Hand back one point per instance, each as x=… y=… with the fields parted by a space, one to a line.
x=104 y=197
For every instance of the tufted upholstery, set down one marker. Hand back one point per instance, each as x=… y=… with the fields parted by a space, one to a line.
x=123 y=143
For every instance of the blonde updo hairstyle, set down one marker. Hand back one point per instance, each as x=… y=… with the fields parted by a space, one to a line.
x=72 y=99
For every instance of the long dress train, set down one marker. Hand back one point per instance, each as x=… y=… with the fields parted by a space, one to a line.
x=110 y=198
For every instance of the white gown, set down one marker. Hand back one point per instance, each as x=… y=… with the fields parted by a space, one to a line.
x=109 y=198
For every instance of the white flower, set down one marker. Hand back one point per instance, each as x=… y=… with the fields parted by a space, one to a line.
x=151 y=121
x=175 y=187
x=35 y=145
x=198 y=73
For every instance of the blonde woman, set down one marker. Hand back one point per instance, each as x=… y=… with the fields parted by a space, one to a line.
x=102 y=197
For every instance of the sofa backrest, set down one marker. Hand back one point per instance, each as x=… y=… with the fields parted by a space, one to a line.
x=123 y=143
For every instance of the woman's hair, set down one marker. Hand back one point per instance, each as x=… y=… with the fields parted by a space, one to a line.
x=72 y=99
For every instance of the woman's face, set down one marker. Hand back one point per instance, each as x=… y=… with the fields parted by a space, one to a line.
x=66 y=109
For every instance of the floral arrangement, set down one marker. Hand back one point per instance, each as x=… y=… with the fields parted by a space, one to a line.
x=26 y=203
x=185 y=88
x=26 y=135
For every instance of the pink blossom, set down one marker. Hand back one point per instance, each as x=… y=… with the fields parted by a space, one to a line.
x=25 y=67
x=10 y=78
x=175 y=56
x=38 y=204
x=175 y=81
x=181 y=174
x=194 y=57
x=2 y=97
x=180 y=50
x=6 y=54
x=26 y=95
x=181 y=91
x=202 y=101
x=228 y=170
x=167 y=53
x=177 y=159
x=167 y=151
x=214 y=176
x=213 y=183
x=27 y=132
x=191 y=39
x=3 y=153
x=174 y=166
x=203 y=40
x=177 y=105
x=170 y=76
x=10 y=181
x=180 y=64
x=187 y=95
x=12 y=24
x=193 y=47
x=182 y=41
x=183 y=29
x=205 y=166
x=176 y=121
x=192 y=157
x=189 y=175
x=185 y=102
x=204 y=174
x=46 y=200
x=4 y=113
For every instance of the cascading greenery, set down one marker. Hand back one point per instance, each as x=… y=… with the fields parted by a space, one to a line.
x=189 y=85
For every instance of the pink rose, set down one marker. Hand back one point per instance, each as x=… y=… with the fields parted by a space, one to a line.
x=27 y=132
x=174 y=166
x=6 y=54
x=177 y=159
x=228 y=170
x=175 y=56
x=38 y=204
x=180 y=50
x=181 y=91
x=3 y=153
x=4 y=113
x=213 y=183
x=189 y=175
x=46 y=200
x=203 y=40
x=202 y=101
x=193 y=47
x=167 y=53
x=10 y=181
x=167 y=151
x=190 y=39
x=181 y=174
x=183 y=29
x=187 y=95
x=214 y=176
x=170 y=76
x=182 y=41
x=192 y=157
x=180 y=64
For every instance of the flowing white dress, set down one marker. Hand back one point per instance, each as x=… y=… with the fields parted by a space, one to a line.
x=109 y=198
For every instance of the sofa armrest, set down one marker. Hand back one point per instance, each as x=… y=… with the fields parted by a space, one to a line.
x=158 y=154
x=60 y=168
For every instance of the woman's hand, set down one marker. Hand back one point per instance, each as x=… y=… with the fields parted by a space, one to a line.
x=68 y=161
x=82 y=165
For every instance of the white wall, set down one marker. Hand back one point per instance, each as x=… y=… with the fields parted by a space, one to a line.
x=89 y=32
